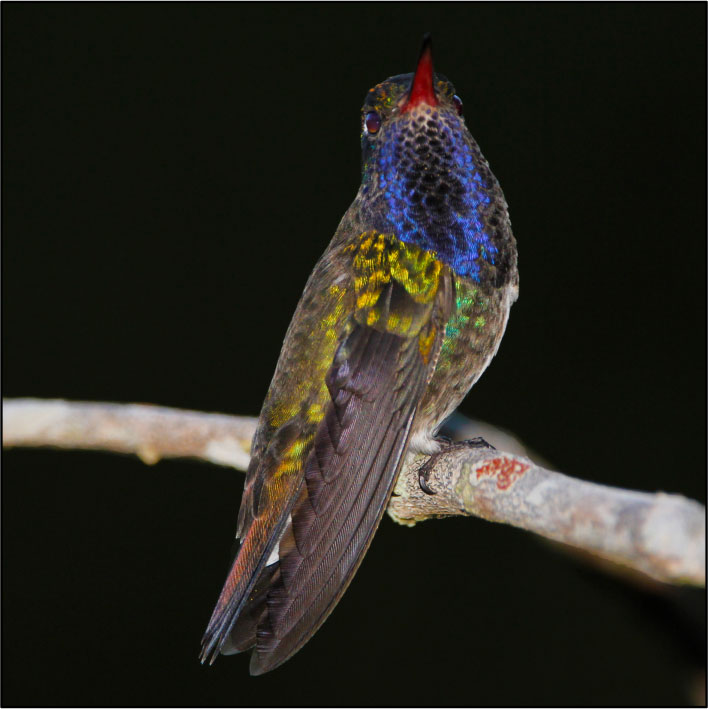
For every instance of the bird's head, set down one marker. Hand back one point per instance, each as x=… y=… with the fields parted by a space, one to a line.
x=424 y=178
x=411 y=119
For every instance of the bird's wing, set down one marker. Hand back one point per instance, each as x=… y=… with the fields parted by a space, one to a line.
x=385 y=355
x=292 y=410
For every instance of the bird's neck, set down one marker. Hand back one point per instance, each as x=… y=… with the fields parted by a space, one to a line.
x=440 y=200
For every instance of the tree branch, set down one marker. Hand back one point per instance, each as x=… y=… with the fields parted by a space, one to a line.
x=660 y=535
x=151 y=432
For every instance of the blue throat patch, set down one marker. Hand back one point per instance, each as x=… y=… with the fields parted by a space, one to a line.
x=433 y=188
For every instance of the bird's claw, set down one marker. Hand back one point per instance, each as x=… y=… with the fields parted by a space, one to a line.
x=423 y=475
x=477 y=442
x=427 y=467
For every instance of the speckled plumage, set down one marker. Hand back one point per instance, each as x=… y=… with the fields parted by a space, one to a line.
x=399 y=318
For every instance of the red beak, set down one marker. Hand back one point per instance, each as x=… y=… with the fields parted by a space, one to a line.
x=422 y=89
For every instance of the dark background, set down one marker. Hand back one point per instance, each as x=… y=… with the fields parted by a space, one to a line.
x=171 y=173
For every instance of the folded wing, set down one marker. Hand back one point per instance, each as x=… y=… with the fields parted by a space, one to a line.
x=384 y=358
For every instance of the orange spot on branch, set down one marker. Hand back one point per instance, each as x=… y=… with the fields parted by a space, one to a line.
x=506 y=470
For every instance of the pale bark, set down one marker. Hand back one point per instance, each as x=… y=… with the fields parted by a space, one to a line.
x=658 y=534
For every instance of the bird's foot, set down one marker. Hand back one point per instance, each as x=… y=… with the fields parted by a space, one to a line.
x=447 y=445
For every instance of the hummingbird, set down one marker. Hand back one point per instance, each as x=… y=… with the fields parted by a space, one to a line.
x=399 y=318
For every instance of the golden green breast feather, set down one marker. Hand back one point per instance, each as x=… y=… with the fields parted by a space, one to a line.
x=380 y=260
x=471 y=304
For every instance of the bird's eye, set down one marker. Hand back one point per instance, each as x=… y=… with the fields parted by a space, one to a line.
x=457 y=101
x=372 y=122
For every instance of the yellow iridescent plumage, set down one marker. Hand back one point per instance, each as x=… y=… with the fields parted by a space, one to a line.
x=375 y=260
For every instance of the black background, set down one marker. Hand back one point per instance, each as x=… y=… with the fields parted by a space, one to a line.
x=172 y=173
